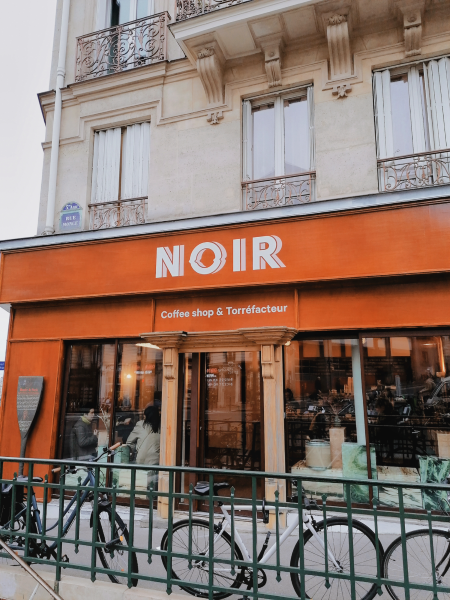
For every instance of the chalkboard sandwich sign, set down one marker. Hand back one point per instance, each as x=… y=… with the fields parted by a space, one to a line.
x=29 y=396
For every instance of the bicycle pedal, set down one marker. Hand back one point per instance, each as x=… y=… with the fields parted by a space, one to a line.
x=65 y=559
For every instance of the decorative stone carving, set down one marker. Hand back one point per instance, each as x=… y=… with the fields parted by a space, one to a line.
x=341 y=91
x=209 y=68
x=339 y=47
x=214 y=117
x=411 y=13
x=269 y=335
x=165 y=339
x=412 y=24
x=272 y=57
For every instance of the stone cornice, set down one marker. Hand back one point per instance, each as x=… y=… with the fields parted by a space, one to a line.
x=238 y=338
x=165 y=339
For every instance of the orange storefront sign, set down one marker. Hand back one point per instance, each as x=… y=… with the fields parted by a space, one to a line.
x=225 y=312
x=411 y=240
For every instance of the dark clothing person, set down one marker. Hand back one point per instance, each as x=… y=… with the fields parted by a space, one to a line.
x=84 y=442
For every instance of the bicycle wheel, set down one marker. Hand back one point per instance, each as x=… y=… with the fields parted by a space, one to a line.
x=364 y=555
x=420 y=567
x=16 y=540
x=115 y=559
x=199 y=573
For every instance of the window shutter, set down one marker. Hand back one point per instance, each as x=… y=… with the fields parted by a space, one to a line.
x=135 y=161
x=312 y=147
x=106 y=166
x=247 y=150
x=437 y=74
x=416 y=110
x=383 y=114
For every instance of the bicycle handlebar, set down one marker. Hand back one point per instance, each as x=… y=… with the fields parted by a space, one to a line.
x=108 y=450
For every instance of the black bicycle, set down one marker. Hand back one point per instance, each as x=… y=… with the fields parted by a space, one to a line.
x=113 y=537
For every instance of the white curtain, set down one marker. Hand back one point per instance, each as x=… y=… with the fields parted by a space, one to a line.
x=437 y=85
x=383 y=113
x=106 y=166
x=103 y=15
x=135 y=161
x=417 y=110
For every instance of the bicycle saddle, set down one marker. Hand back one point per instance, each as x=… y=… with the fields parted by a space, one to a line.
x=202 y=488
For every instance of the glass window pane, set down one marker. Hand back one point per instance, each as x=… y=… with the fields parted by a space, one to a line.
x=232 y=422
x=401 y=116
x=138 y=409
x=296 y=136
x=143 y=9
x=263 y=141
x=408 y=408
x=120 y=12
x=320 y=412
x=89 y=400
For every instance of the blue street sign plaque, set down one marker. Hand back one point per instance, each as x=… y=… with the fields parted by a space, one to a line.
x=2 y=365
x=70 y=218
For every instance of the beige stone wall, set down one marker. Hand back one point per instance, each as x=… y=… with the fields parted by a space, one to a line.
x=195 y=168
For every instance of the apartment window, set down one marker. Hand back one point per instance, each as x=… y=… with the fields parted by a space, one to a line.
x=124 y=11
x=121 y=162
x=412 y=112
x=278 y=143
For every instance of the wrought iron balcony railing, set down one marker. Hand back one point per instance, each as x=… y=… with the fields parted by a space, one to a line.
x=278 y=191
x=135 y=44
x=104 y=215
x=425 y=169
x=193 y=8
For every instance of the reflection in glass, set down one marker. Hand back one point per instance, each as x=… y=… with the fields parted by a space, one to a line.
x=324 y=408
x=408 y=405
x=401 y=116
x=296 y=136
x=263 y=141
x=232 y=421
x=89 y=400
x=138 y=408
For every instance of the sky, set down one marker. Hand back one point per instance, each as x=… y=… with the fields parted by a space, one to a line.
x=25 y=73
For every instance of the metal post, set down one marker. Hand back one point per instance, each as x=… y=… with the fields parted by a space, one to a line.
x=60 y=76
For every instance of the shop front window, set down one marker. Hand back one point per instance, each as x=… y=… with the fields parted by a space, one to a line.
x=324 y=411
x=90 y=388
x=114 y=395
x=408 y=407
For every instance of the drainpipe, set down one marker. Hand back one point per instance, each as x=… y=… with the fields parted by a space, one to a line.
x=60 y=75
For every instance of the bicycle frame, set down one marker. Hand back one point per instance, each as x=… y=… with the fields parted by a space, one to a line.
x=306 y=519
x=89 y=481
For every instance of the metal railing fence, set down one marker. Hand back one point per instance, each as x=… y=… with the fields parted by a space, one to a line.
x=113 y=545
x=186 y=9
x=122 y=47
x=414 y=171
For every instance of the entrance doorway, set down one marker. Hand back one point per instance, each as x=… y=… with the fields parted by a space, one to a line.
x=221 y=416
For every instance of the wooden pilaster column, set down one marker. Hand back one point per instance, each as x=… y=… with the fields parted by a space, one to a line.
x=272 y=340
x=169 y=343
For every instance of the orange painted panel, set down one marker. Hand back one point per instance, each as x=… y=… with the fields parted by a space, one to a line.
x=225 y=312
x=32 y=358
x=366 y=244
x=424 y=304
x=79 y=319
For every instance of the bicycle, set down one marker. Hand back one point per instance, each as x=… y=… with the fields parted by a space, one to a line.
x=337 y=531
x=113 y=538
x=420 y=561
